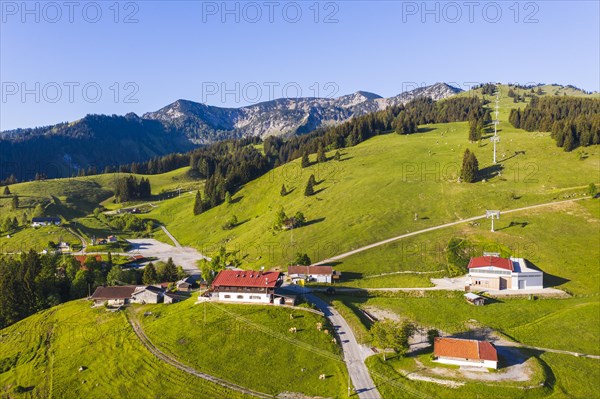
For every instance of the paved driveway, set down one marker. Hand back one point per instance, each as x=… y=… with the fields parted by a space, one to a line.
x=182 y=256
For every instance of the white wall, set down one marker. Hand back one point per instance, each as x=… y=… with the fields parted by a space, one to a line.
x=321 y=278
x=484 y=363
x=532 y=280
x=245 y=297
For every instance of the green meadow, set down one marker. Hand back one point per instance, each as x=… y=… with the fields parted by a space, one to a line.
x=75 y=351
x=250 y=345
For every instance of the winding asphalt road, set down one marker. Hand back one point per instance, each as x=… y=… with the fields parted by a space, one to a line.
x=354 y=353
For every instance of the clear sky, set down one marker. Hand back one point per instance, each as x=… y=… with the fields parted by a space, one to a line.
x=61 y=60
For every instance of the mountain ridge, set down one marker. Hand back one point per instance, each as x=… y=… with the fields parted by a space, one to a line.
x=65 y=148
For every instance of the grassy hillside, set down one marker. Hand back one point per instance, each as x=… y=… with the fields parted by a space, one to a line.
x=561 y=240
x=376 y=190
x=40 y=357
x=250 y=345
x=74 y=199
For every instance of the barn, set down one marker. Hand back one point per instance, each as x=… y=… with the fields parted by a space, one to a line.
x=465 y=352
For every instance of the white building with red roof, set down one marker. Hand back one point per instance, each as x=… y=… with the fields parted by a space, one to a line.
x=465 y=352
x=491 y=272
x=246 y=286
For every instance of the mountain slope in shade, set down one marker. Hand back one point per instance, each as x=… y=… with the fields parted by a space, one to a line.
x=101 y=140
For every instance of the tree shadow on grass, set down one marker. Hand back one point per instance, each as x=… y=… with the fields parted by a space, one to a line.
x=236 y=199
x=488 y=172
x=313 y=221
x=514 y=224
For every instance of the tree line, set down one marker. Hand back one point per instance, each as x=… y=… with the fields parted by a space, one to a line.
x=572 y=121
x=32 y=282
x=130 y=188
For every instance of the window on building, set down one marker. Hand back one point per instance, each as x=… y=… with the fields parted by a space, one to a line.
x=227 y=296
x=240 y=297
x=255 y=297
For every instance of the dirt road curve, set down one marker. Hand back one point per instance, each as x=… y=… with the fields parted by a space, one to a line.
x=441 y=226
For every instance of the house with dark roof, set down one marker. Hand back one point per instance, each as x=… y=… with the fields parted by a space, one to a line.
x=318 y=274
x=148 y=294
x=245 y=286
x=491 y=272
x=465 y=352
x=113 y=296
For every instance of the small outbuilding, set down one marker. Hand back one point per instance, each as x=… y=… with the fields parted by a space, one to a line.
x=475 y=299
x=185 y=285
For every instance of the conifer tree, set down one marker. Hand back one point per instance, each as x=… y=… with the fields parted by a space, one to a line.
x=198 y=207
x=305 y=160
x=321 y=157
x=150 y=276
x=309 y=190
x=470 y=167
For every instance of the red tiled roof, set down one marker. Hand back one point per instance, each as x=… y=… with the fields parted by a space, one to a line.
x=464 y=349
x=82 y=258
x=313 y=270
x=246 y=278
x=495 y=261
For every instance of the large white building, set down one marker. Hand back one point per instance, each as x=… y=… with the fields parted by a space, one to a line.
x=496 y=273
x=245 y=286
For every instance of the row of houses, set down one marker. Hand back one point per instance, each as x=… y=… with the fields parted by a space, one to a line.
x=45 y=221
x=112 y=239
x=128 y=294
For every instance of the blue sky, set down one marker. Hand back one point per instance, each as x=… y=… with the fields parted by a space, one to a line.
x=59 y=63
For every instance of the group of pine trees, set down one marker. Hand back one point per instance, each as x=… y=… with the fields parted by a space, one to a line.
x=573 y=121
x=130 y=188
x=32 y=282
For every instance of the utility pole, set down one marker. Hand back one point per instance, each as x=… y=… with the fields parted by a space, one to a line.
x=492 y=215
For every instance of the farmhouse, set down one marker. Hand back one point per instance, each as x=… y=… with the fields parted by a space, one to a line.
x=113 y=296
x=319 y=274
x=496 y=273
x=148 y=294
x=45 y=221
x=245 y=286
x=465 y=352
